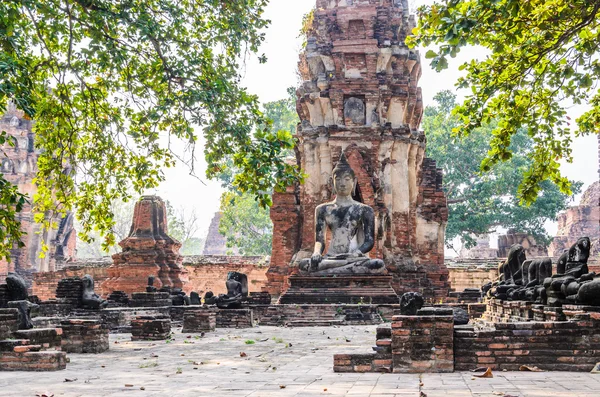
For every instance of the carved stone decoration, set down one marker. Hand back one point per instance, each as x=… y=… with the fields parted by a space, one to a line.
x=411 y=303
x=89 y=299
x=147 y=250
x=360 y=97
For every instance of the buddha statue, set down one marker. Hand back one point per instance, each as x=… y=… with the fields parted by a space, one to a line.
x=352 y=227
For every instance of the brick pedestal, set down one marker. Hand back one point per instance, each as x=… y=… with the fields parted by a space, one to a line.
x=199 y=321
x=235 y=318
x=150 y=328
x=423 y=344
x=340 y=289
x=150 y=299
x=84 y=336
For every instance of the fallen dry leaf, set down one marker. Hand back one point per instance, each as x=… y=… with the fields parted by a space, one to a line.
x=242 y=354
x=44 y=395
x=142 y=388
x=529 y=368
x=128 y=385
x=487 y=374
x=70 y=380
x=282 y=386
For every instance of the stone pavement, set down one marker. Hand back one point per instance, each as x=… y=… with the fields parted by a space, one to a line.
x=276 y=362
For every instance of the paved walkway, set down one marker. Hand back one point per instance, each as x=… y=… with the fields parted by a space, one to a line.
x=274 y=362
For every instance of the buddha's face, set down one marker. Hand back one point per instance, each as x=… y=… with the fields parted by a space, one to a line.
x=343 y=183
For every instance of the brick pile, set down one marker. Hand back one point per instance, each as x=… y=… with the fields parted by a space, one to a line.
x=195 y=321
x=84 y=336
x=150 y=328
x=379 y=361
x=235 y=318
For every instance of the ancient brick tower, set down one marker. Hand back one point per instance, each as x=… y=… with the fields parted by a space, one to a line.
x=147 y=251
x=360 y=96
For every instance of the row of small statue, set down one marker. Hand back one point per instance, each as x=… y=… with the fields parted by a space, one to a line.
x=533 y=281
x=237 y=293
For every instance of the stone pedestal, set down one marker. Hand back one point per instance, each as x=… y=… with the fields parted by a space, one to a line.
x=147 y=251
x=197 y=321
x=150 y=328
x=235 y=318
x=9 y=322
x=21 y=355
x=340 y=289
x=84 y=336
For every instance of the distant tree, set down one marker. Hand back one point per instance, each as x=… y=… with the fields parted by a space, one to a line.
x=183 y=226
x=479 y=203
x=539 y=57
x=245 y=224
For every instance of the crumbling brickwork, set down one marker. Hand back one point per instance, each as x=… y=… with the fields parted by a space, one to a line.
x=360 y=96
x=18 y=165
x=147 y=251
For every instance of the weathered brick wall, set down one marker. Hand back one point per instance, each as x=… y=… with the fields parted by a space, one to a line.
x=206 y=273
x=209 y=273
x=551 y=346
x=463 y=278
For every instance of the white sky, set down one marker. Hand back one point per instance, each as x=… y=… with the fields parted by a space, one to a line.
x=270 y=81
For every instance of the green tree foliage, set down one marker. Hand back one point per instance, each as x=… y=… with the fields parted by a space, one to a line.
x=543 y=54
x=110 y=84
x=11 y=203
x=479 y=202
x=246 y=225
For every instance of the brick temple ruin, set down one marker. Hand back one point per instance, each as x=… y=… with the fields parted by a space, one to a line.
x=19 y=166
x=361 y=97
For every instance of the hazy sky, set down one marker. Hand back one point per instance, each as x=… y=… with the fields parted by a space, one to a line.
x=269 y=81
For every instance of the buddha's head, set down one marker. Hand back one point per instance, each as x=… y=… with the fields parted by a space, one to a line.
x=344 y=179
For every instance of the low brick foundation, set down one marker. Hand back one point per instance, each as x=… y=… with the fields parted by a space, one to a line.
x=197 y=321
x=84 y=336
x=235 y=318
x=379 y=361
x=27 y=357
x=317 y=315
x=551 y=346
x=150 y=328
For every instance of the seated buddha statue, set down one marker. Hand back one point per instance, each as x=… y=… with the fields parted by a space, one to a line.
x=352 y=228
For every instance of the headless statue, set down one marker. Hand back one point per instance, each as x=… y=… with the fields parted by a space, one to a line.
x=352 y=227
